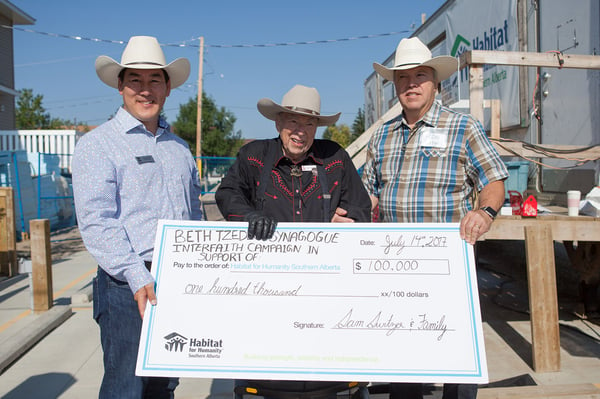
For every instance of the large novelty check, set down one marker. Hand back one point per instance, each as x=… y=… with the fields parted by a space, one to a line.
x=319 y=301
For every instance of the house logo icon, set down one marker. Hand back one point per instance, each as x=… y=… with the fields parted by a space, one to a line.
x=175 y=342
x=460 y=46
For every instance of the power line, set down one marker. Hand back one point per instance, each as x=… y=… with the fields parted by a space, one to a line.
x=192 y=45
x=302 y=42
x=185 y=44
x=84 y=101
x=54 y=61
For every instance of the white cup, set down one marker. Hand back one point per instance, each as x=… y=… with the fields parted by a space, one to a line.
x=573 y=198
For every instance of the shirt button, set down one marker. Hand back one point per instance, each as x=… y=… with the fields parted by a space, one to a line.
x=297 y=212
x=297 y=191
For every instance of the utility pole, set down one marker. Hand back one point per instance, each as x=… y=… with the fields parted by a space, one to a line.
x=199 y=113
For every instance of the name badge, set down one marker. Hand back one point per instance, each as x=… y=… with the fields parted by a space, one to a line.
x=434 y=137
x=142 y=159
x=309 y=168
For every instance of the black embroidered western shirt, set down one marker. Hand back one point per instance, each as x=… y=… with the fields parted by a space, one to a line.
x=293 y=192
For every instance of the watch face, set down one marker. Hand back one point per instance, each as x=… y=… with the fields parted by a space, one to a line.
x=490 y=211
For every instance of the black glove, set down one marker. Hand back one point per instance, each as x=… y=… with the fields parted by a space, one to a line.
x=260 y=226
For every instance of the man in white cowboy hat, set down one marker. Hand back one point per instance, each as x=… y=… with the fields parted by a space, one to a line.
x=293 y=178
x=426 y=164
x=127 y=174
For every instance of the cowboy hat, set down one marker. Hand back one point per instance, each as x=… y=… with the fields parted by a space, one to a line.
x=412 y=53
x=142 y=52
x=300 y=100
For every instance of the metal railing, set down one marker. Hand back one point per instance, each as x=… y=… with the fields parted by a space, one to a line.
x=43 y=141
x=212 y=171
x=47 y=192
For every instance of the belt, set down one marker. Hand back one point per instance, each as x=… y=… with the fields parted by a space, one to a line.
x=148 y=265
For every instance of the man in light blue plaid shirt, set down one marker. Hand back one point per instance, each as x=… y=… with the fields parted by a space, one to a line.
x=426 y=164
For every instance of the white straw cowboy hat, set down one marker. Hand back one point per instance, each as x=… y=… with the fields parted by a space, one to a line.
x=299 y=100
x=412 y=53
x=142 y=52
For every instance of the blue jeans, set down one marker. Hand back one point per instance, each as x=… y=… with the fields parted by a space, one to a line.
x=117 y=314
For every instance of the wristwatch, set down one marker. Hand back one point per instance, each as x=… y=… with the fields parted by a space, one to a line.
x=490 y=211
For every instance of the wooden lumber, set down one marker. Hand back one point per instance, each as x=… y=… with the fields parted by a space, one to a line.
x=495 y=118
x=539 y=234
x=476 y=92
x=561 y=391
x=8 y=233
x=41 y=264
x=543 y=299
x=563 y=228
x=523 y=79
x=530 y=59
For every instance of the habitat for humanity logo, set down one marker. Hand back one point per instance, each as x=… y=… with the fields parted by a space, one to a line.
x=492 y=38
x=206 y=347
x=175 y=342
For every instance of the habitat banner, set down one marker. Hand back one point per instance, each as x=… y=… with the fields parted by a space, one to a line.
x=319 y=301
x=491 y=26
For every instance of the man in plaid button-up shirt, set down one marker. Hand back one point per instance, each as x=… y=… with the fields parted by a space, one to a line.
x=426 y=164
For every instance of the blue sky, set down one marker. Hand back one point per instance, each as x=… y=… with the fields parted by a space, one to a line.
x=62 y=69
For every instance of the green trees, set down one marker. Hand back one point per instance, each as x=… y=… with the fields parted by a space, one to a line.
x=218 y=135
x=358 y=126
x=342 y=134
x=31 y=114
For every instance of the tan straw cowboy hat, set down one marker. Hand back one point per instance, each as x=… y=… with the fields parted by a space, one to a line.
x=299 y=100
x=412 y=53
x=142 y=52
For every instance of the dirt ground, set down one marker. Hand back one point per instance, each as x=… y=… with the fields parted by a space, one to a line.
x=67 y=241
x=63 y=243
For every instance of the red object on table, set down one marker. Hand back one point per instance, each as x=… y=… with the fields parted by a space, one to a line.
x=520 y=207
x=529 y=207
x=516 y=201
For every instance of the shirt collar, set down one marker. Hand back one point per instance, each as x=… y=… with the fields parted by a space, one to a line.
x=309 y=155
x=131 y=124
x=431 y=117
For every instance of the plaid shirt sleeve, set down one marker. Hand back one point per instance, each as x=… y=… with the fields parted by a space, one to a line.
x=485 y=165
